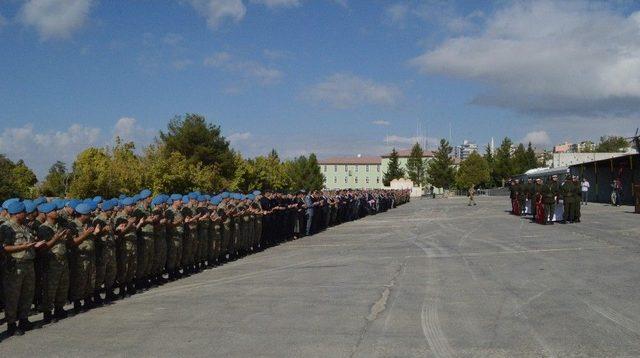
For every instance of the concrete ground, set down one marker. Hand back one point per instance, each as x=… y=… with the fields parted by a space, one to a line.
x=434 y=278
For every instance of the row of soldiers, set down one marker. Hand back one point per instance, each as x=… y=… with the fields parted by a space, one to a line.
x=93 y=251
x=542 y=196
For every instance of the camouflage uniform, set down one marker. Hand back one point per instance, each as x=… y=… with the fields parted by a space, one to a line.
x=127 y=253
x=159 y=245
x=145 y=248
x=176 y=234
x=18 y=272
x=203 y=235
x=106 y=263
x=82 y=268
x=190 y=232
x=57 y=269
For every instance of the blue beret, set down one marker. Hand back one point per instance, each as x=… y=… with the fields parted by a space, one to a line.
x=5 y=205
x=185 y=199
x=136 y=198
x=197 y=192
x=73 y=203
x=159 y=199
x=46 y=208
x=15 y=207
x=193 y=196
x=127 y=201
x=251 y=196
x=201 y=198
x=59 y=204
x=93 y=205
x=170 y=201
x=176 y=197
x=257 y=192
x=216 y=200
x=225 y=195
x=83 y=209
x=29 y=206
x=88 y=200
x=207 y=197
x=145 y=194
x=108 y=205
x=40 y=200
x=97 y=199
x=122 y=196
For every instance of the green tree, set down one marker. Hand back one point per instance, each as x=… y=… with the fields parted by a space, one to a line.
x=7 y=189
x=440 y=170
x=199 y=142
x=91 y=174
x=489 y=158
x=473 y=171
x=24 y=180
x=519 y=159
x=304 y=173
x=531 y=158
x=57 y=180
x=416 y=166
x=263 y=173
x=126 y=169
x=503 y=165
x=612 y=144
x=393 y=169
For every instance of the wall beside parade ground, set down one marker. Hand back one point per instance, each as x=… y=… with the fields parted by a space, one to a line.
x=601 y=173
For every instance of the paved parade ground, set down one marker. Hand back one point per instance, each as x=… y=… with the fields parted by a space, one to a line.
x=432 y=278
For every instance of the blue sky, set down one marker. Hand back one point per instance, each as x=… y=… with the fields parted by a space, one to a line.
x=335 y=77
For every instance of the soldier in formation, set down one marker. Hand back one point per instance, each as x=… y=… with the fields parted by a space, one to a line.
x=90 y=252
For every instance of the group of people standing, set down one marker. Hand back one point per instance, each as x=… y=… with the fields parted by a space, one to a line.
x=94 y=251
x=542 y=197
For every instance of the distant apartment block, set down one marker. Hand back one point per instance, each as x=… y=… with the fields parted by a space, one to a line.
x=463 y=151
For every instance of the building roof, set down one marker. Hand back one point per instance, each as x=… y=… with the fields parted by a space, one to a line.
x=351 y=160
x=405 y=153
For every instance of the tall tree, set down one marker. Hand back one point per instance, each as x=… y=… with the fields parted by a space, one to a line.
x=91 y=174
x=304 y=173
x=416 y=166
x=126 y=168
x=473 y=171
x=519 y=159
x=24 y=180
x=199 y=141
x=489 y=158
x=503 y=167
x=57 y=180
x=393 y=169
x=440 y=171
x=531 y=158
x=612 y=144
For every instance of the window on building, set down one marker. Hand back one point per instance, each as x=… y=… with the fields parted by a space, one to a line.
x=377 y=180
x=325 y=168
x=378 y=168
x=346 y=180
x=335 y=168
x=356 y=180
x=357 y=168
x=367 y=180
x=335 y=180
x=346 y=168
x=367 y=168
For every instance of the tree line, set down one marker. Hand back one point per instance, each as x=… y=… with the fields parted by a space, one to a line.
x=489 y=170
x=192 y=154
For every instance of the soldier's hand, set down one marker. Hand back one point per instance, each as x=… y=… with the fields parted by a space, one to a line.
x=97 y=229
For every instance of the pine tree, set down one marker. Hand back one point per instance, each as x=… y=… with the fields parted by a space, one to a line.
x=519 y=159
x=440 y=170
x=490 y=159
x=532 y=160
x=416 y=166
x=393 y=170
x=503 y=167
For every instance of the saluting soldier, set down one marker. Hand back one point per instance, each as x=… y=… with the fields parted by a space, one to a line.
x=106 y=252
x=18 y=271
x=126 y=228
x=203 y=224
x=82 y=268
x=175 y=230
x=56 y=284
x=160 y=230
x=146 y=240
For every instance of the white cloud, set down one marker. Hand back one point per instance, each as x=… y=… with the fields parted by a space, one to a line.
x=346 y=90
x=278 y=3
x=549 y=57
x=55 y=18
x=235 y=138
x=218 y=11
x=381 y=122
x=248 y=70
x=127 y=129
x=41 y=149
x=537 y=139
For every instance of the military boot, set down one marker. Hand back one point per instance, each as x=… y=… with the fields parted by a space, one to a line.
x=97 y=298
x=59 y=313
x=48 y=317
x=23 y=326
x=11 y=329
x=77 y=306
